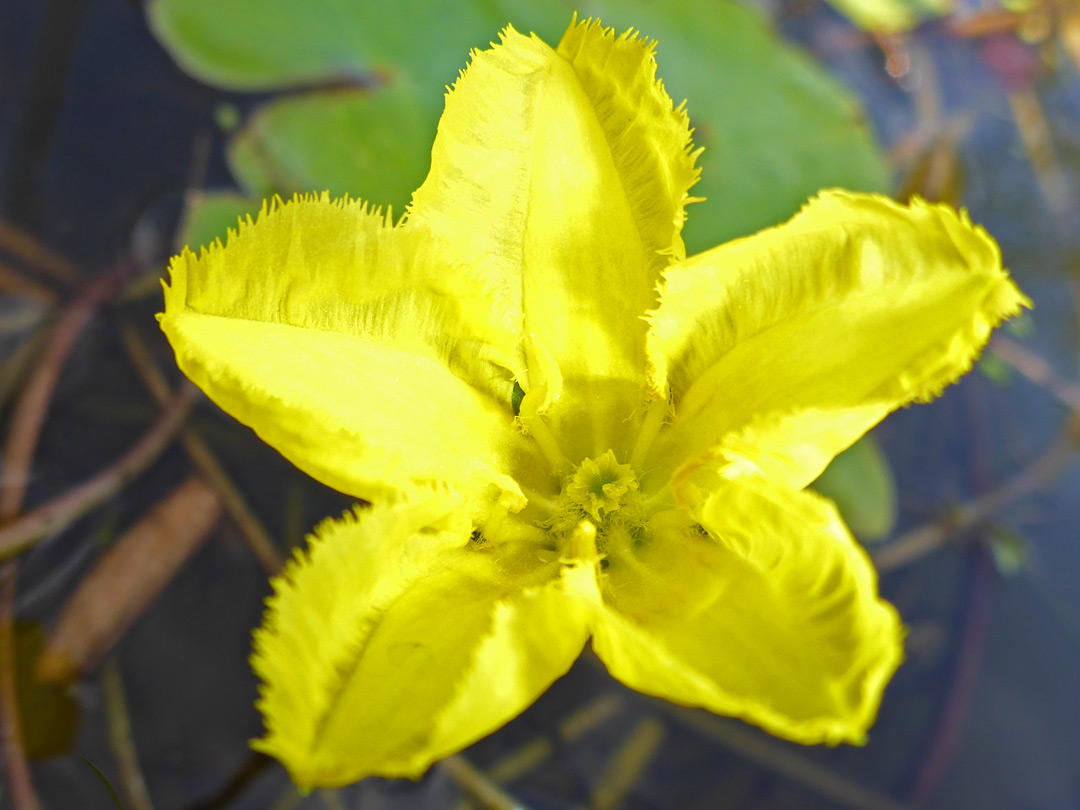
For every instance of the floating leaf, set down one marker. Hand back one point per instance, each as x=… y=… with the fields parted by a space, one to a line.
x=775 y=128
x=269 y=44
x=210 y=214
x=370 y=144
x=861 y=482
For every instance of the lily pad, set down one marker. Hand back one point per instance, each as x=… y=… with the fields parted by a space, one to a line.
x=270 y=44
x=210 y=214
x=775 y=127
x=861 y=482
x=370 y=144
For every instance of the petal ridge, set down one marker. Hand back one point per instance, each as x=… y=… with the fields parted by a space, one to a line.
x=366 y=670
x=857 y=306
x=301 y=316
x=773 y=616
x=650 y=138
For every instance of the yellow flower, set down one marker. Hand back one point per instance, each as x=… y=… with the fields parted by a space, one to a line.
x=567 y=429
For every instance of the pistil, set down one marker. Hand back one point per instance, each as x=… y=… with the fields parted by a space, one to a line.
x=600 y=498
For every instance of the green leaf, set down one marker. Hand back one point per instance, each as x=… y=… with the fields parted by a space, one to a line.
x=775 y=128
x=210 y=214
x=265 y=44
x=268 y=44
x=861 y=482
x=369 y=145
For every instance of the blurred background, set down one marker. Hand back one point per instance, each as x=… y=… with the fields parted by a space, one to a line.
x=138 y=524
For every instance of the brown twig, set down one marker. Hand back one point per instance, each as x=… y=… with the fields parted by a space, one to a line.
x=120 y=738
x=485 y=792
x=25 y=247
x=934 y=171
x=986 y=23
x=23 y=319
x=577 y=724
x=250 y=770
x=530 y=755
x=947 y=733
x=16 y=768
x=288 y=800
x=894 y=47
x=1069 y=28
x=755 y=747
x=1037 y=370
x=1039 y=145
x=625 y=767
x=126 y=579
x=16 y=284
x=257 y=538
x=950 y=725
x=29 y=415
x=28 y=529
x=18 y=454
x=917 y=543
x=13 y=369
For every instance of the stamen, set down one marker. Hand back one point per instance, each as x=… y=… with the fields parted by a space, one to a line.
x=654 y=420
x=582 y=544
x=547 y=444
x=661 y=497
x=536 y=499
x=496 y=517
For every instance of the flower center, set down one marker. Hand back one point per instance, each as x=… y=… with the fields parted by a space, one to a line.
x=605 y=493
x=598 y=487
